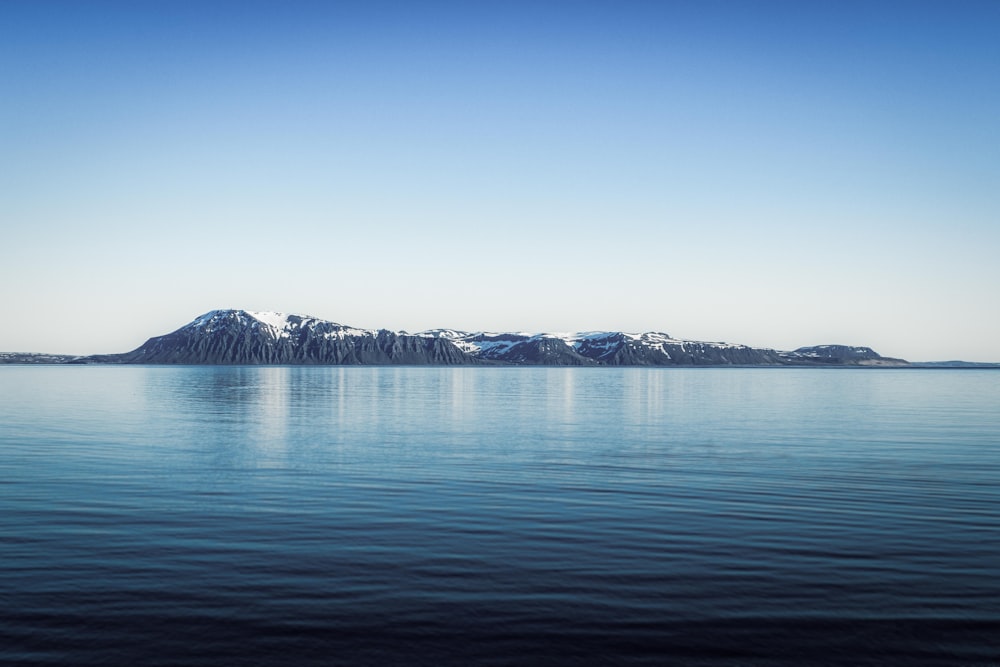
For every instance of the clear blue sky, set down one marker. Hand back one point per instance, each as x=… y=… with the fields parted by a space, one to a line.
x=771 y=173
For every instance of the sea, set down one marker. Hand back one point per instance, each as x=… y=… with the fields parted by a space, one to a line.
x=251 y=515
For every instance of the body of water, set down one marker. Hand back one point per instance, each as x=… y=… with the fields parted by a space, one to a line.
x=507 y=516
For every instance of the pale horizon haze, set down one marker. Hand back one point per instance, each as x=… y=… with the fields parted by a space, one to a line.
x=776 y=174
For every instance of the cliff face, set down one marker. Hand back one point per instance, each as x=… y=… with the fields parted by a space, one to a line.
x=240 y=337
x=839 y=355
x=243 y=337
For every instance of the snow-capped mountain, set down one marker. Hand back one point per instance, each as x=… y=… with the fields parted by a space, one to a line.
x=841 y=355
x=604 y=348
x=246 y=337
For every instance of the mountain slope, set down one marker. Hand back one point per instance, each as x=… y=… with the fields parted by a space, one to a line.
x=839 y=355
x=245 y=337
x=606 y=348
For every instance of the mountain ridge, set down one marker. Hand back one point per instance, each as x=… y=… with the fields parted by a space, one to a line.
x=241 y=337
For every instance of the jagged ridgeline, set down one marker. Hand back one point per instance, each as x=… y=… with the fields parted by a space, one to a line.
x=244 y=337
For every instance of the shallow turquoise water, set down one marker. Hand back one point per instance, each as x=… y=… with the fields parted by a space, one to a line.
x=363 y=515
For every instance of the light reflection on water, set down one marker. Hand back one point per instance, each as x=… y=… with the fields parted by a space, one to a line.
x=261 y=515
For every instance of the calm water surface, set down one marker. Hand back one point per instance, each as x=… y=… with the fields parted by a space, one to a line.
x=429 y=516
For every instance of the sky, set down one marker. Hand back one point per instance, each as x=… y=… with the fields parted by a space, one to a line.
x=776 y=174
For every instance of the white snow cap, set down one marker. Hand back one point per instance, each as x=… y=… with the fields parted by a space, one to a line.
x=271 y=318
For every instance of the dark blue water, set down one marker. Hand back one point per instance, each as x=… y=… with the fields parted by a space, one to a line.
x=431 y=516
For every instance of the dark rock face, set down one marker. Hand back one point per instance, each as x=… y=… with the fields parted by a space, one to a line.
x=631 y=353
x=839 y=355
x=619 y=350
x=610 y=349
x=541 y=351
x=236 y=337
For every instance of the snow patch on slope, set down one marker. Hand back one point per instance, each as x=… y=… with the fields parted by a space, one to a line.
x=271 y=318
x=279 y=325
